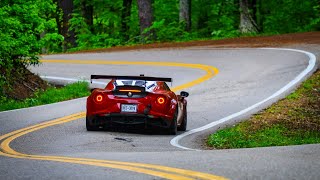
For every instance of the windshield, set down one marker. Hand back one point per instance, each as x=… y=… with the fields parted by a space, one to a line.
x=149 y=85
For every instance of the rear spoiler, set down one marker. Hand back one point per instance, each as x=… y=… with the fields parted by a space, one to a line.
x=141 y=77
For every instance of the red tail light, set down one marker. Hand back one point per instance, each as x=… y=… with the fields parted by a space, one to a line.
x=99 y=98
x=129 y=90
x=161 y=100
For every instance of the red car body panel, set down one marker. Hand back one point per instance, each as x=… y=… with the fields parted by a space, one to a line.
x=112 y=103
x=159 y=103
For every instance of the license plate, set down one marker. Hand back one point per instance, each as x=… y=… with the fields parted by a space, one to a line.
x=128 y=108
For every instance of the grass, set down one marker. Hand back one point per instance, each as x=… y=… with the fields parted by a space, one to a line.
x=51 y=95
x=294 y=120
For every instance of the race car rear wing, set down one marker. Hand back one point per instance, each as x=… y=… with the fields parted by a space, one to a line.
x=141 y=77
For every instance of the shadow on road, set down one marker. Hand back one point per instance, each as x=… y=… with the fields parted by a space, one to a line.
x=137 y=130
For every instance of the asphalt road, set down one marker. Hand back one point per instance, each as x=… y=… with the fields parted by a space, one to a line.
x=246 y=77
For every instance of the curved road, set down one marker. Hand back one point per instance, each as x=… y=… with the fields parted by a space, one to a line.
x=221 y=82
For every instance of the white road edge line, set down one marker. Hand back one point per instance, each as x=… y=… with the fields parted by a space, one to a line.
x=312 y=63
x=71 y=79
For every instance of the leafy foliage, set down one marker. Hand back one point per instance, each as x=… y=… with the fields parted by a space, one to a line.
x=30 y=27
x=210 y=19
x=289 y=16
x=20 y=27
x=20 y=24
x=216 y=18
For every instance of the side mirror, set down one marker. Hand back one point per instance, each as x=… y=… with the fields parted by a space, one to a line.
x=184 y=94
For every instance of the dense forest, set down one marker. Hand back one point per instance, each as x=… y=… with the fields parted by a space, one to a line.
x=30 y=27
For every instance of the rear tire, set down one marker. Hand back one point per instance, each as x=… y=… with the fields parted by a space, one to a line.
x=173 y=127
x=183 y=126
x=90 y=127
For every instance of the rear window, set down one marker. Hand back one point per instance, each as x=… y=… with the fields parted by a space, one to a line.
x=149 y=85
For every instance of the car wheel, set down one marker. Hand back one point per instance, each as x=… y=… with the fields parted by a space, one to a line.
x=173 y=127
x=183 y=126
x=90 y=127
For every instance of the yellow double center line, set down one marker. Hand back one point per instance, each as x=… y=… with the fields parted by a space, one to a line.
x=154 y=170
x=210 y=70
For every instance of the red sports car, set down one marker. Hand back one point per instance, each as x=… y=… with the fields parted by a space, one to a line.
x=136 y=100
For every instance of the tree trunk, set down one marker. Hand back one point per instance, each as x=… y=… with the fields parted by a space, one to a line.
x=185 y=13
x=57 y=16
x=253 y=6
x=69 y=35
x=125 y=18
x=87 y=12
x=145 y=18
x=259 y=15
x=247 y=23
x=44 y=49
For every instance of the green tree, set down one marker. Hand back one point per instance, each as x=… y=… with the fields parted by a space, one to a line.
x=216 y=19
x=20 y=27
x=109 y=23
x=289 y=16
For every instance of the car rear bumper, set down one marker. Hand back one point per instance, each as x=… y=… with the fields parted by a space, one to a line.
x=120 y=119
